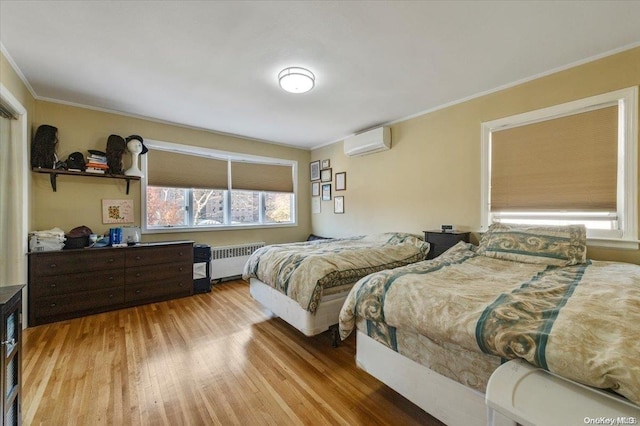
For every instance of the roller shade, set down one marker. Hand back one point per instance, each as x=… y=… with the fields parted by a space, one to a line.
x=261 y=177
x=174 y=170
x=566 y=163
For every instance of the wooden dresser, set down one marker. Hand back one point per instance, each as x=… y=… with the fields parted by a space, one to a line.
x=71 y=283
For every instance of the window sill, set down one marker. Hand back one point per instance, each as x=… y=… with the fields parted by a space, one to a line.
x=615 y=244
x=217 y=228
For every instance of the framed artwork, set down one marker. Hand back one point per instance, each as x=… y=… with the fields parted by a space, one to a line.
x=314 y=170
x=315 y=205
x=326 y=192
x=341 y=181
x=117 y=211
x=338 y=205
x=326 y=164
x=325 y=175
x=315 y=189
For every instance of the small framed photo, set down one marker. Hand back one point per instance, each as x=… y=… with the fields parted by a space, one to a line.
x=117 y=211
x=341 y=181
x=338 y=205
x=315 y=189
x=314 y=170
x=325 y=175
x=315 y=205
x=326 y=164
x=326 y=192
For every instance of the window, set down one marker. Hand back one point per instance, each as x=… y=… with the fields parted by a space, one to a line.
x=571 y=163
x=192 y=188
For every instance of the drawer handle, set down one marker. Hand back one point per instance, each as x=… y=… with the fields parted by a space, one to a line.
x=179 y=284
x=53 y=305
x=111 y=260
x=138 y=274
x=138 y=292
x=110 y=278
x=180 y=254
x=53 y=265
x=138 y=258
x=111 y=296
x=181 y=269
x=52 y=285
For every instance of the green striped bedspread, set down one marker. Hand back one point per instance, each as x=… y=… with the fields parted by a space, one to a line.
x=581 y=322
x=304 y=271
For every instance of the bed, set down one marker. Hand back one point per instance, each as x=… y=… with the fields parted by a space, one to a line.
x=306 y=283
x=436 y=330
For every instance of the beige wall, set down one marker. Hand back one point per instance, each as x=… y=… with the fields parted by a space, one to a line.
x=12 y=81
x=78 y=199
x=431 y=176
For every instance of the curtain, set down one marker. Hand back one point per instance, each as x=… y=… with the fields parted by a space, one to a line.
x=261 y=177
x=177 y=170
x=568 y=163
x=11 y=215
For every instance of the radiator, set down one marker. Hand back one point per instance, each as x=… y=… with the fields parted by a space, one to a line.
x=229 y=261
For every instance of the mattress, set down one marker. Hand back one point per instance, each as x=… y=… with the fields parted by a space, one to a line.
x=469 y=368
x=308 y=271
x=310 y=324
x=579 y=321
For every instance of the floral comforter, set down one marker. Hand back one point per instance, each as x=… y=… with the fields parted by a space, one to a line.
x=303 y=271
x=581 y=322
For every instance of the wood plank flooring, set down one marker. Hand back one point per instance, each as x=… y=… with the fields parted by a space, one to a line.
x=217 y=358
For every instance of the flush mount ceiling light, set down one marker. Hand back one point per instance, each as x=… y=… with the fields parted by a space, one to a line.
x=296 y=80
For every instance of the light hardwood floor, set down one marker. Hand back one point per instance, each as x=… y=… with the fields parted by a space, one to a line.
x=213 y=358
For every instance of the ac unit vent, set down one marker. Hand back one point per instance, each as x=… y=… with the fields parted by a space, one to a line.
x=371 y=141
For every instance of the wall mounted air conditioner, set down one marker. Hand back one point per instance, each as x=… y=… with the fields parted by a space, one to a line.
x=375 y=140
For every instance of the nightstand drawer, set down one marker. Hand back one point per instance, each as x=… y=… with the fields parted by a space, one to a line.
x=442 y=241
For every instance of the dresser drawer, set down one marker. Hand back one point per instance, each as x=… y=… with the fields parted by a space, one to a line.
x=143 y=274
x=54 y=285
x=137 y=256
x=158 y=289
x=60 y=263
x=81 y=301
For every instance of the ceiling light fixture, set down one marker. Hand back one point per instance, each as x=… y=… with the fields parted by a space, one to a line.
x=296 y=80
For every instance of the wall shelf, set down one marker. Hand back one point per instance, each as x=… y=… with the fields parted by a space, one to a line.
x=53 y=174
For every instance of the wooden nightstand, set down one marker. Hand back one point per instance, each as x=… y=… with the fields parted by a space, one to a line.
x=442 y=241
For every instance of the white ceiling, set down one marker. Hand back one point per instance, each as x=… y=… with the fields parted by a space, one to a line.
x=214 y=64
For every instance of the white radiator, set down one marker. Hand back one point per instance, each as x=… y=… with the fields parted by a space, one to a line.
x=229 y=261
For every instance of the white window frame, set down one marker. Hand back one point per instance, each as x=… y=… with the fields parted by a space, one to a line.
x=627 y=194
x=217 y=155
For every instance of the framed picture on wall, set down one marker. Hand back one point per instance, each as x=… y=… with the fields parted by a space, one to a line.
x=315 y=189
x=325 y=175
x=117 y=211
x=326 y=192
x=338 y=205
x=315 y=205
x=326 y=164
x=341 y=181
x=314 y=170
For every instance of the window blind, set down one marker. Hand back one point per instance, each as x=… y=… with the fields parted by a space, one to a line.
x=566 y=163
x=261 y=177
x=175 y=170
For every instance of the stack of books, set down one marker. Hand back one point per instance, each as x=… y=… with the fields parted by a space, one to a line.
x=97 y=162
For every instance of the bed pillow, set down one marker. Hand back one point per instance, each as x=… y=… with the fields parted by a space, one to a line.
x=549 y=245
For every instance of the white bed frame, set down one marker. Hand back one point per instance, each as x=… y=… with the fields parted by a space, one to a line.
x=447 y=400
x=289 y=310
